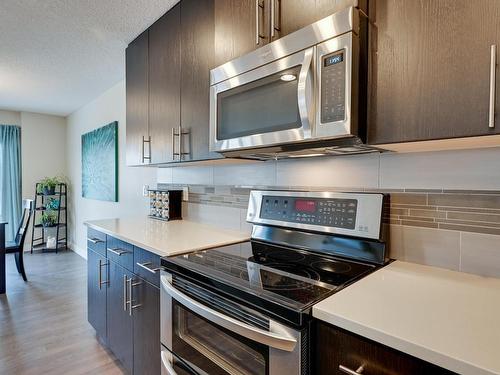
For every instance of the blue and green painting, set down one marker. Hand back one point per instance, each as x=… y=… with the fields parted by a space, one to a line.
x=100 y=163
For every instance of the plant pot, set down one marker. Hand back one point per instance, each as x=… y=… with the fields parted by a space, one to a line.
x=49 y=191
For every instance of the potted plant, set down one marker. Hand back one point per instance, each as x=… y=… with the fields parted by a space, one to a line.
x=52 y=204
x=48 y=185
x=48 y=219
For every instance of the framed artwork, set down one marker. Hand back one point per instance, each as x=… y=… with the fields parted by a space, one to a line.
x=100 y=163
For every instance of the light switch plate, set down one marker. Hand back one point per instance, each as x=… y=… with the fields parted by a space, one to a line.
x=145 y=189
x=185 y=193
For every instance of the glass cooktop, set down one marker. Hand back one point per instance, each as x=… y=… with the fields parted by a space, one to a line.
x=283 y=275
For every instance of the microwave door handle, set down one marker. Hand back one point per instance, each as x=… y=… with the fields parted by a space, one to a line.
x=305 y=92
x=271 y=339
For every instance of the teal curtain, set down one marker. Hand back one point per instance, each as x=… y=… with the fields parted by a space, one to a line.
x=10 y=178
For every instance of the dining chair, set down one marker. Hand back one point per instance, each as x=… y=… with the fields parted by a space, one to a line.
x=16 y=247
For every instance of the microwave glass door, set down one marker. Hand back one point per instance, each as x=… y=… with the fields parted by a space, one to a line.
x=213 y=349
x=267 y=105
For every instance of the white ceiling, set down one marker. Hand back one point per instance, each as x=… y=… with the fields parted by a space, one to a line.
x=57 y=55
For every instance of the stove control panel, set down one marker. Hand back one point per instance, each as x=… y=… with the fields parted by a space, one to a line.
x=327 y=212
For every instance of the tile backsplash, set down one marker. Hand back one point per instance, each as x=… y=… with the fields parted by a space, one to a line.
x=444 y=207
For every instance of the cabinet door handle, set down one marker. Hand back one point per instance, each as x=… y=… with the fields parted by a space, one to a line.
x=493 y=67
x=258 y=35
x=173 y=144
x=147 y=267
x=179 y=134
x=94 y=240
x=117 y=251
x=144 y=157
x=125 y=302
x=131 y=301
x=99 y=274
x=347 y=370
x=275 y=11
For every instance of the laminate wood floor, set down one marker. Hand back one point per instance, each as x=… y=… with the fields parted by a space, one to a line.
x=43 y=323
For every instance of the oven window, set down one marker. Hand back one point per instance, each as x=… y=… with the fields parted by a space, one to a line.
x=263 y=106
x=215 y=350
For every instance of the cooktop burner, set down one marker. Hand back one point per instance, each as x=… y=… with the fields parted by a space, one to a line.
x=331 y=266
x=288 y=276
x=286 y=256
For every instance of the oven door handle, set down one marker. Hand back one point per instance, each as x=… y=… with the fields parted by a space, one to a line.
x=274 y=340
x=305 y=93
x=166 y=364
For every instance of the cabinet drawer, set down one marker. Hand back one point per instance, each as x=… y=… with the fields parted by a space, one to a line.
x=96 y=241
x=335 y=347
x=120 y=252
x=147 y=265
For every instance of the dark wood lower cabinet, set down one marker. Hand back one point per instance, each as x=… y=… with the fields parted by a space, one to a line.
x=146 y=328
x=124 y=308
x=334 y=347
x=97 y=275
x=119 y=321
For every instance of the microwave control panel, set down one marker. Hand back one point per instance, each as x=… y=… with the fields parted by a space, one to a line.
x=333 y=81
x=330 y=212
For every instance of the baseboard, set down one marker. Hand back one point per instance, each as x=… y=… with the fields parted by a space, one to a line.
x=78 y=250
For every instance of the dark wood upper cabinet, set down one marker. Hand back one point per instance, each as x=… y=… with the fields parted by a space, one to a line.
x=164 y=84
x=236 y=28
x=334 y=347
x=137 y=83
x=197 y=57
x=431 y=69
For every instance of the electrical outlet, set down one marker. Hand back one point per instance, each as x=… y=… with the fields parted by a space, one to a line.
x=185 y=193
x=145 y=189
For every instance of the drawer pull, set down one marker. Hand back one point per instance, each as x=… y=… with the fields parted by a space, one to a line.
x=94 y=240
x=148 y=266
x=118 y=251
x=347 y=370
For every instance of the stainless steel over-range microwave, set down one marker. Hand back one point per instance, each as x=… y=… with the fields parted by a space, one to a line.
x=301 y=95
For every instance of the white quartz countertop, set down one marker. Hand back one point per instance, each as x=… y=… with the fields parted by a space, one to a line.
x=448 y=318
x=166 y=238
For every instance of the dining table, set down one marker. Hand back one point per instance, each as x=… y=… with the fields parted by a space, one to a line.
x=2 y=257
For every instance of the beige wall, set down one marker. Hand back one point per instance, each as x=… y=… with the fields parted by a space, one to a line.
x=43 y=139
x=43 y=148
x=108 y=107
x=10 y=117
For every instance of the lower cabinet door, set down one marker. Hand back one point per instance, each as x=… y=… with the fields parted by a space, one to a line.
x=146 y=313
x=119 y=318
x=337 y=351
x=97 y=276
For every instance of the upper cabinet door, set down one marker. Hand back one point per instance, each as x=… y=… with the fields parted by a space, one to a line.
x=431 y=70
x=164 y=84
x=288 y=16
x=137 y=90
x=240 y=27
x=197 y=57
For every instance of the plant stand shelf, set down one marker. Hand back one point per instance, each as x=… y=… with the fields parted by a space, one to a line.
x=39 y=234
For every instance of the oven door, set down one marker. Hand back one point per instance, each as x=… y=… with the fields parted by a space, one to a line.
x=209 y=334
x=270 y=105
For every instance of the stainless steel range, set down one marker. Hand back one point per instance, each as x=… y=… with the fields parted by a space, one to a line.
x=246 y=308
